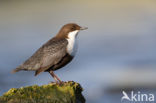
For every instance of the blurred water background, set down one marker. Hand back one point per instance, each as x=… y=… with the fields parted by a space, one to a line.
x=117 y=52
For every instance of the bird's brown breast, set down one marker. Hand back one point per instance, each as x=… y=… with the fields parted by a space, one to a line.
x=65 y=60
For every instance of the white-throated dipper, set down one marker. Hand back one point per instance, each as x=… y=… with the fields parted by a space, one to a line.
x=55 y=53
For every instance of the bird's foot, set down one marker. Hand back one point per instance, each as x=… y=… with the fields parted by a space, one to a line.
x=60 y=83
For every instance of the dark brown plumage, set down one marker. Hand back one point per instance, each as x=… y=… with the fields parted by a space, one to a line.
x=53 y=54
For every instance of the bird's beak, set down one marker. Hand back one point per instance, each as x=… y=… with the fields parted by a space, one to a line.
x=83 y=28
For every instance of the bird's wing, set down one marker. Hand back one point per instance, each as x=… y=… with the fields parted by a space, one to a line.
x=52 y=53
x=46 y=56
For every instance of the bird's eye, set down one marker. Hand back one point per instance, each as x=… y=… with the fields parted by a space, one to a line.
x=73 y=28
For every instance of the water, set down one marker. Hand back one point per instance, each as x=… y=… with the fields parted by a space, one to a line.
x=117 y=51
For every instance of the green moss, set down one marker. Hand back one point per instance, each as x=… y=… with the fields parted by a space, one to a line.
x=69 y=92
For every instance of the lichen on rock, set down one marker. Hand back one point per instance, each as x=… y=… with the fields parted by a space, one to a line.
x=68 y=92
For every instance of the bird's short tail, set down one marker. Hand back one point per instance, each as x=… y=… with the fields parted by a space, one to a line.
x=15 y=70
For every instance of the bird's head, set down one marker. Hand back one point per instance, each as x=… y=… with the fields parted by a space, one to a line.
x=69 y=30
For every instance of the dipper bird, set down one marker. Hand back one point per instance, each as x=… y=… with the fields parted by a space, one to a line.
x=55 y=53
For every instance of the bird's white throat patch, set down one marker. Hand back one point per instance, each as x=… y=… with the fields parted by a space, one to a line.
x=72 y=42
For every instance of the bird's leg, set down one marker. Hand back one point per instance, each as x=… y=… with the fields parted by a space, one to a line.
x=55 y=77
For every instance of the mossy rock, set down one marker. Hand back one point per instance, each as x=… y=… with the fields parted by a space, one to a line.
x=68 y=92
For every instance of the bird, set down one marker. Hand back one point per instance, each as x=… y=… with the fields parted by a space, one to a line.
x=55 y=53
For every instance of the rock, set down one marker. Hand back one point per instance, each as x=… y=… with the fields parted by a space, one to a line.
x=68 y=92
